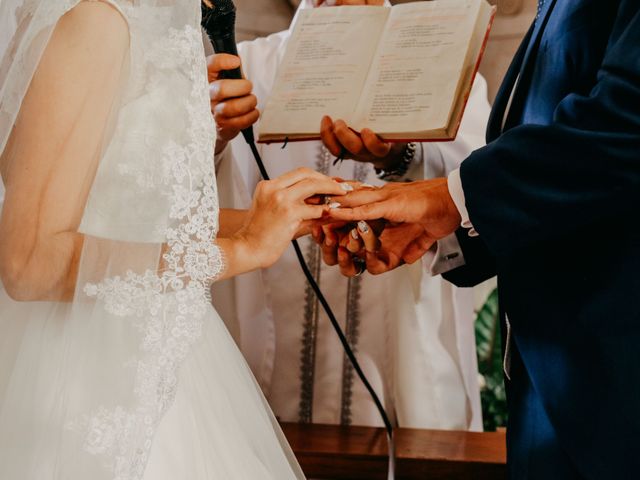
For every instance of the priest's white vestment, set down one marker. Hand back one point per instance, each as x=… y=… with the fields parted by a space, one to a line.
x=413 y=333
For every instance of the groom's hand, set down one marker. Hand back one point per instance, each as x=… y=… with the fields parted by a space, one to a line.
x=399 y=244
x=232 y=103
x=423 y=213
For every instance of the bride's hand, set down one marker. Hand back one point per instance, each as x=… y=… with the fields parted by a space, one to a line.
x=280 y=212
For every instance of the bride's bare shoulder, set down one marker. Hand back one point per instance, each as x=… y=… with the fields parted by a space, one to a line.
x=101 y=21
x=52 y=151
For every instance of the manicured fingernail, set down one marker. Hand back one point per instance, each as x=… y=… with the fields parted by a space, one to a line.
x=334 y=205
x=366 y=185
x=363 y=227
x=354 y=234
x=346 y=187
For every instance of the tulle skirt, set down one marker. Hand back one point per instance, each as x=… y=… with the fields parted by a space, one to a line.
x=218 y=427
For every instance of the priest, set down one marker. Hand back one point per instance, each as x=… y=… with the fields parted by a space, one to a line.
x=413 y=333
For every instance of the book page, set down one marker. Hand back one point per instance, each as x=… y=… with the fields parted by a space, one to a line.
x=415 y=74
x=324 y=69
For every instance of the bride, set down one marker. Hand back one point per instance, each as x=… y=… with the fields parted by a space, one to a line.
x=113 y=364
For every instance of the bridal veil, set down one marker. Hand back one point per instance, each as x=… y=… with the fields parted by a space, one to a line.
x=138 y=361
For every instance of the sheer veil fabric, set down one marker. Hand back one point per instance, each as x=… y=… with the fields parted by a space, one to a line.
x=137 y=377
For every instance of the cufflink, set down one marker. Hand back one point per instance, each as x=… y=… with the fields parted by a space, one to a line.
x=451 y=256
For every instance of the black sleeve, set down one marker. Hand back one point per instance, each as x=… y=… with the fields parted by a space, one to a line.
x=479 y=264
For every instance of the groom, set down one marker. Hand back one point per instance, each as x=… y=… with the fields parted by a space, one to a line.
x=551 y=205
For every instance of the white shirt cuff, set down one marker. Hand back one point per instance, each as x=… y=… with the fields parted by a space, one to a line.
x=457 y=194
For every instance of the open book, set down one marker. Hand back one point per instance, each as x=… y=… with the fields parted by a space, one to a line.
x=404 y=72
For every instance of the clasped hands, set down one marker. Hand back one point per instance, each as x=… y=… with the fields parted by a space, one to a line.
x=383 y=228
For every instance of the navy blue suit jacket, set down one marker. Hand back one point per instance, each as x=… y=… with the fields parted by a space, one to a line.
x=555 y=197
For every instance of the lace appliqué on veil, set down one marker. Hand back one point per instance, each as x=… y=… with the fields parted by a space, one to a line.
x=170 y=305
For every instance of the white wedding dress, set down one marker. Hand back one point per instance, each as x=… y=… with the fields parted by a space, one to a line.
x=137 y=378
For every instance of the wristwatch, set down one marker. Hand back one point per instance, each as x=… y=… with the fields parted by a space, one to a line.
x=397 y=173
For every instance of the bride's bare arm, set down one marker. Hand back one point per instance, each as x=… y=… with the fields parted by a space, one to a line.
x=50 y=161
x=231 y=221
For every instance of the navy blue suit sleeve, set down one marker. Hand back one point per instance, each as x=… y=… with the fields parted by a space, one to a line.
x=539 y=181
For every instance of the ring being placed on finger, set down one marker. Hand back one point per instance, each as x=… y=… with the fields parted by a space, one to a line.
x=329 y=202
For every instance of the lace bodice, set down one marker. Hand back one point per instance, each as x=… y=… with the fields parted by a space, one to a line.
x=159 y=159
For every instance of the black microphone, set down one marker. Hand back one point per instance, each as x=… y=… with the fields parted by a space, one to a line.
x=219 y=21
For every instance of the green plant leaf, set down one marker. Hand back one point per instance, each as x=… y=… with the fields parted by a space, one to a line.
x=487 y=326
x=489 y=347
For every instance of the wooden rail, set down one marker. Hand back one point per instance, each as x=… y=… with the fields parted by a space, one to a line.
x=359 y=453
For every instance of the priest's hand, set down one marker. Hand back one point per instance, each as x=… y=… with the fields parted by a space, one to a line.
x=365 y=146
x=232 y=103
